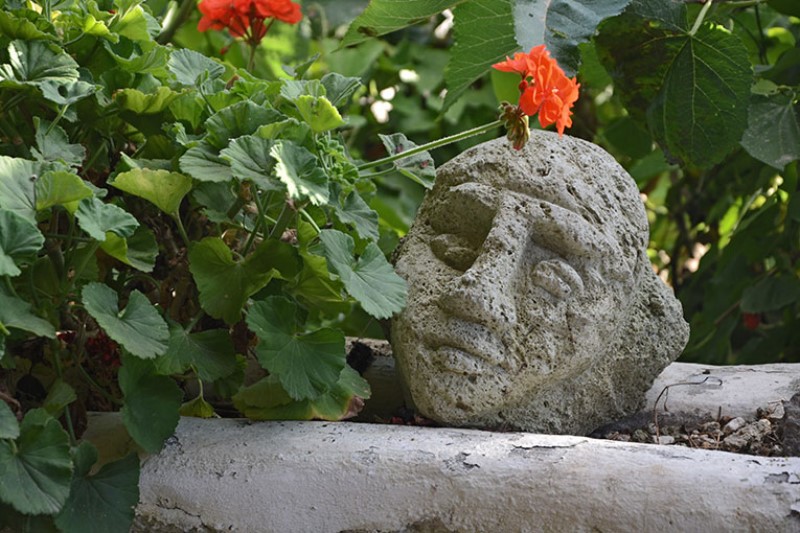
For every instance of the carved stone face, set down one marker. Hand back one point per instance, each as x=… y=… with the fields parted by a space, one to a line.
x=521 y=270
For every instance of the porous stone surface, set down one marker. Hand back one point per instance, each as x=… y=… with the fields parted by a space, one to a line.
x=532 y=303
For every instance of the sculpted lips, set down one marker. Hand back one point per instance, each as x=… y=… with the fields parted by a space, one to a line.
x=467 y=348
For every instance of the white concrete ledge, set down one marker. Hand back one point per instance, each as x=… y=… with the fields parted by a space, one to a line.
x=231 y=475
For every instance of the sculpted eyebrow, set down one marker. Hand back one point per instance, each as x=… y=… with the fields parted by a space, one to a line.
x=465 y=207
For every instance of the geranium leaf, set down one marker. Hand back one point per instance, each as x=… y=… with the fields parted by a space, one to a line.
x=138 y=328
x=9 y=427
x=242 y=118
x=38 y=61
x=562 y=25
x=96 y=218
x=198 y=408
x=338 y=88
x=150 y=403
x=137 y=102
x=419 y=167
x=225 y=284
x=210 y=352
x=60 y=188
x=153 y=62
x=59 y=396
x=319 y=113
x=19 y=242
x=307 y=364
x=299 y=170
x=52 y=144
x=103 y=502
x=203 y=163
x=384 y=16
x=131 y=24
x=139 y=250
x=355 y=211
x=484 y=34
x=162 y=188
x=35 y=470
x=250 y=160
x=66 y=93
x=16 y=313
x=188 y=66
x=17 y=189
x=370 y=279
x=773 y=134
x=266 y=399
x=16 y=26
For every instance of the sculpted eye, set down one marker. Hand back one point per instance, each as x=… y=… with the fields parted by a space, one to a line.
x=558 y=278
x=455 y=251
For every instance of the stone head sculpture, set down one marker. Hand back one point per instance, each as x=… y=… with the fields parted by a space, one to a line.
x=532 y=303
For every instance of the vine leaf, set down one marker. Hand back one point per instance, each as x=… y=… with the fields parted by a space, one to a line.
x=138 y=328
x=35 y=470
x=225 y=284
x=162 y=188
x=384 y=16
x=103 y=502
x=307 y=364
x=773 y=134
x=266 y=399
x=370 y=279
x=151 y=403
x=419 y=167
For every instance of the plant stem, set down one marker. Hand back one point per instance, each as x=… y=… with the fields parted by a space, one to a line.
x=176 y=217
x=434 y=144
x=310 y=220
x=57 y=363
x=283 y=221
x=260 y=220
x=176 y=19
x=61 y=112
x=700 y=17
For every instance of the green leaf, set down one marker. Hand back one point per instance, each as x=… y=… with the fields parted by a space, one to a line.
x=96 y=218
x=419 y=167
x=17 y=192
x=19 y=242
x=225 y=284
x=9 y=427
x=484 y=35
x=16 y=26
x=37 y=61
x=35 y=470
x=307 y=364
x=384 y=16
x=562 y=25
x=52 y=144
x=154 y=62
x=370 y=279
x=188 y=66
x=66 y=93
x=339 y=89
x=319 y=113
x=162 y=188
x=151 y=403
x=773 y=134
x=354 y=211
x=16 y=313
x=60 y=188
x=210 y=352
x=203 y=163
x=137 y=102
x=242 y=118
x=770 y=294
x=250 y=160
x=198 y=408
x=139 y=250
x=694 y=89
x=138 y=328
x=104 y=502
x=59 y=396
x=298 y=169
x=267 y=400
x=131 y=23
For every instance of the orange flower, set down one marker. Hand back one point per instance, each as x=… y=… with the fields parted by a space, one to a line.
x=545 y=89
x=245 y=18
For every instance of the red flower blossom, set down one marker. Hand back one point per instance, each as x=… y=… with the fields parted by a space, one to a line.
x=239 y=16
x=545 y=89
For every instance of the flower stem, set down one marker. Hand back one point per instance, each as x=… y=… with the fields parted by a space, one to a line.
x=175 y=19
x=433 y=144
x=700 y=17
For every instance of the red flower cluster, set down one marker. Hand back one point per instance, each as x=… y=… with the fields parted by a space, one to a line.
x=239 y=15
x=545 y=89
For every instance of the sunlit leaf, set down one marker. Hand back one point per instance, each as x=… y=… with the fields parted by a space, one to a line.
x=319 y=113
x=60 y=188
x=138 y=327
x=198 y=408
x=38 y=61
x=188 y=65
x=354 y=211
x=370 y=279
x=299 y=170
x=307 y=364
x=136 y=101
x=250 y=159
x=162 y=188
x=103 y=502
